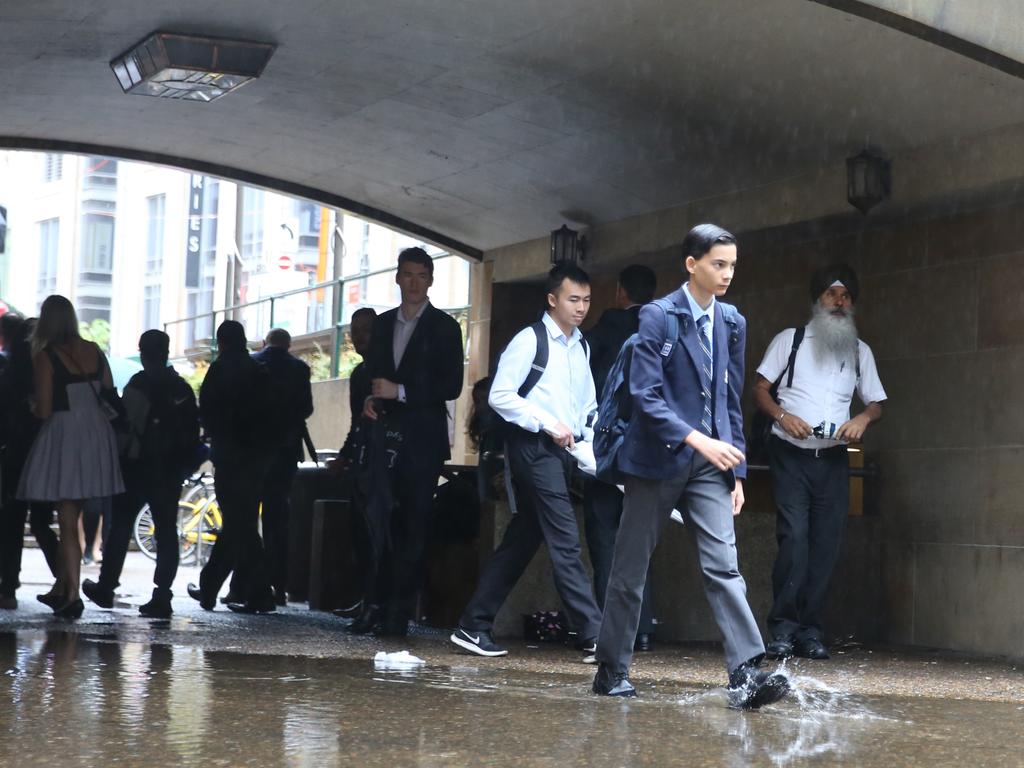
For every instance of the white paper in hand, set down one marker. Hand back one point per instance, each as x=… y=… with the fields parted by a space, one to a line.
x=583 y=452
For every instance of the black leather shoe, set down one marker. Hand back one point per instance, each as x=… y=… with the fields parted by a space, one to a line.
x=608 y=683
x=366 y=623
x=750 y=688
x=644 y=642
x=266 y=605
x=280 y=596
x=779 y=648
x=232 y=597
x=104 y=598
x=810 y=648
x=207 y=602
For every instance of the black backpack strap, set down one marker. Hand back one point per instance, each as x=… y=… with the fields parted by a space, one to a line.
x=671 y=328
x=540 y=359
x=798 y=337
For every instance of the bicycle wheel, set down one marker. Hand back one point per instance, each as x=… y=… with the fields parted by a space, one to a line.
x=145 y=533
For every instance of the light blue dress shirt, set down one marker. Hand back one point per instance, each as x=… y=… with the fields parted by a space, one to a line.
x=697 y=311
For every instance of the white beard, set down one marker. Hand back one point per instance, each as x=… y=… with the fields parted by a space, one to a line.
x=835 y=338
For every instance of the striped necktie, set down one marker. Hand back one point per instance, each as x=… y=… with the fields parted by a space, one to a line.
x=705 y=373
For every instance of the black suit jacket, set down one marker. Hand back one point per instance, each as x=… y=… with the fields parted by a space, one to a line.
x=430 y=371
x=606 y=339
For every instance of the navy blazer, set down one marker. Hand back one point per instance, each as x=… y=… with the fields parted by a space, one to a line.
x=667 y=401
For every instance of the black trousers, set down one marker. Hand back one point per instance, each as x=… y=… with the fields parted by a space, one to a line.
x=602 y=513
x=812 y=496
x=275 y=496
x=541 y=473
x=399 y=513
x=162 y=494
x=237 y=481
x=12 y=524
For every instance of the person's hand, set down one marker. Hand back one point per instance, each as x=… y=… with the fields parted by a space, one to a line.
x=369 y=411
x=737 y=498
x=853 y=430
x=722 y=455
x=562 y=436
x=385 y=389
x=794 y=426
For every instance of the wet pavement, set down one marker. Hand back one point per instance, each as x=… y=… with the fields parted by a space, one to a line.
x=217 y=689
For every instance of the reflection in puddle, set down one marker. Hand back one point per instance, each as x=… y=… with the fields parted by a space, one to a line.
x=71 y=699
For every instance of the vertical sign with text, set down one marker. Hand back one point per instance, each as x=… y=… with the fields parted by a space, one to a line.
x=194 y=241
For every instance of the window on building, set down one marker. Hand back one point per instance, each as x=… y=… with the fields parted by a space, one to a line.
x=100 y=172
x=48 y=238
x=155 y=208
x=252 y=226
x=97 y=257
x=53 y=167
x=93 y=308
x=151 y=306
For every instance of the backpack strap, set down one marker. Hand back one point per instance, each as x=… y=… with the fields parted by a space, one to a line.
x=671 y=328
x=798 y=337
x=540 y=359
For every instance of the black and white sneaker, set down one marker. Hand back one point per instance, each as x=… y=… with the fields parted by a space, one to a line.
x=589 y=649
x=478 y=642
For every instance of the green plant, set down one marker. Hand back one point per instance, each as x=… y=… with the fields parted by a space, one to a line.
x=98 y=331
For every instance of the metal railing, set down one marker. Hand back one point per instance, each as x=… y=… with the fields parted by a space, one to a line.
x=324 y=313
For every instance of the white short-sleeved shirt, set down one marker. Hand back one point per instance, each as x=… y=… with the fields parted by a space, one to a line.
x=820 y=392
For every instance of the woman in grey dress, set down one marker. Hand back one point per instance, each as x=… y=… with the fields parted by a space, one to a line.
x=74 y=456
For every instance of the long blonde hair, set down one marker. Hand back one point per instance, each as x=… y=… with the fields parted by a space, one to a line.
x=57 y=324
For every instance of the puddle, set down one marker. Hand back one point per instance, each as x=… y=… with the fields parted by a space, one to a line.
x=69 y=699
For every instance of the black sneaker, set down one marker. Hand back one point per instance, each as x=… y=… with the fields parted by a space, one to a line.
x=750 y=688
x=478 y=642
x=608 y=683
x=104 y=598
x=159 y=607
x=589 y=649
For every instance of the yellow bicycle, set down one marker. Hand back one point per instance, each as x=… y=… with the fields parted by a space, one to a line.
x=199 y=522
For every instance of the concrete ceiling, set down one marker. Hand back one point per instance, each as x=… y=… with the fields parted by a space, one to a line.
x=487 y=122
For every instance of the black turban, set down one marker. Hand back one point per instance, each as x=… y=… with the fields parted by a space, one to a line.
x=824 y=277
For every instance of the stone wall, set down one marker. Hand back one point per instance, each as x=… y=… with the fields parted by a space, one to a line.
x=938 y=560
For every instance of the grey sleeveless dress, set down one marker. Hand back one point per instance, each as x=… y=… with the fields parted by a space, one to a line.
x=74 y=456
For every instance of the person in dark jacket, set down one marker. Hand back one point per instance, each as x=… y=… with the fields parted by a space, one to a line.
x=18 y=428
x=158 y=454
x=293 y=404
x=602 y=503
x=232 y=402
x=416 y=365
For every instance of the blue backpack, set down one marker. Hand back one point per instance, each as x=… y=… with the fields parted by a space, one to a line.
x=616 y=405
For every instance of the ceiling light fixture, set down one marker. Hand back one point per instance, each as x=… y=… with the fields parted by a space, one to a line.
x=173 y=66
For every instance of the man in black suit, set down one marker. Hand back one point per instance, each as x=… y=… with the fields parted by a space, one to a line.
x=415 y=366
x=602 y=503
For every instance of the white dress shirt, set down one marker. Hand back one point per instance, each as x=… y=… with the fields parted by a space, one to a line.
x=564 y=393
x=821 y=392
x=404 y=330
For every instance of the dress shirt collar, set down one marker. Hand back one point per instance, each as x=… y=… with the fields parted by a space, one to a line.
x=556 y=333
x=695 y=309
x=417 y=316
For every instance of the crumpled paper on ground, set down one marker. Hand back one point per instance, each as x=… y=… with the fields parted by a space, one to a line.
x=396 y=660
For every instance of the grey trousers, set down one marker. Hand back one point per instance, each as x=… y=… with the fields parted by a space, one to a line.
x=707 y=510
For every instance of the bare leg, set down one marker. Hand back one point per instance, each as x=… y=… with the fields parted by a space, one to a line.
x=70 y=558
